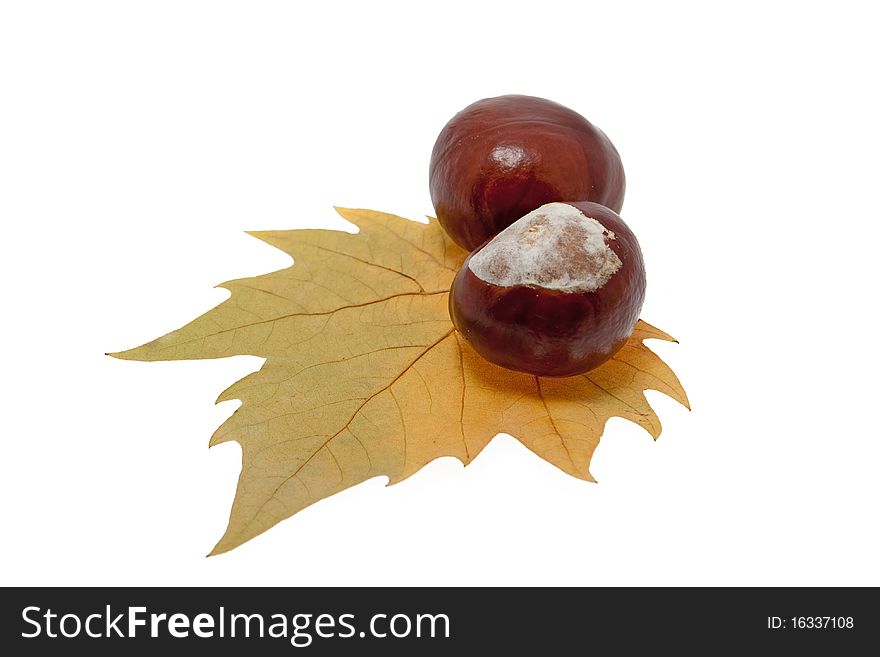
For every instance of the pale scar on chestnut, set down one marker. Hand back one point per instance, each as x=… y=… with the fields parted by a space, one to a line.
x=556 y=247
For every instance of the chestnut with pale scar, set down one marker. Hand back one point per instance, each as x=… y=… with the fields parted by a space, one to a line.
x=557 y=293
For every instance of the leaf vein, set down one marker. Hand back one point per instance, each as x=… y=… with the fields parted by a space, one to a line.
x=371 y=264
x=553 y=422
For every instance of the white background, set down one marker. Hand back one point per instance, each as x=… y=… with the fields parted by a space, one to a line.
x=139 y=140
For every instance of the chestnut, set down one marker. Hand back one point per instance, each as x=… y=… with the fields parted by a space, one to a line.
x=556 y=293
x=500 y=158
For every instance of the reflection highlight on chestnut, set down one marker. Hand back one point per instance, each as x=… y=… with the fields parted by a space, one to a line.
x=502 y=157
x=557 y=293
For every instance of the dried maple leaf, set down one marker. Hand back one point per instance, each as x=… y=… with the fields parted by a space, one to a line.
x=365 y=376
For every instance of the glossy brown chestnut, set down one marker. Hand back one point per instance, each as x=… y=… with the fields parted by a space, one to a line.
x=501 y=158
x=555 y=294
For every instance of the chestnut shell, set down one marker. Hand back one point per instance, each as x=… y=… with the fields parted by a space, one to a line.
x=551 y=332
x=500 y=158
